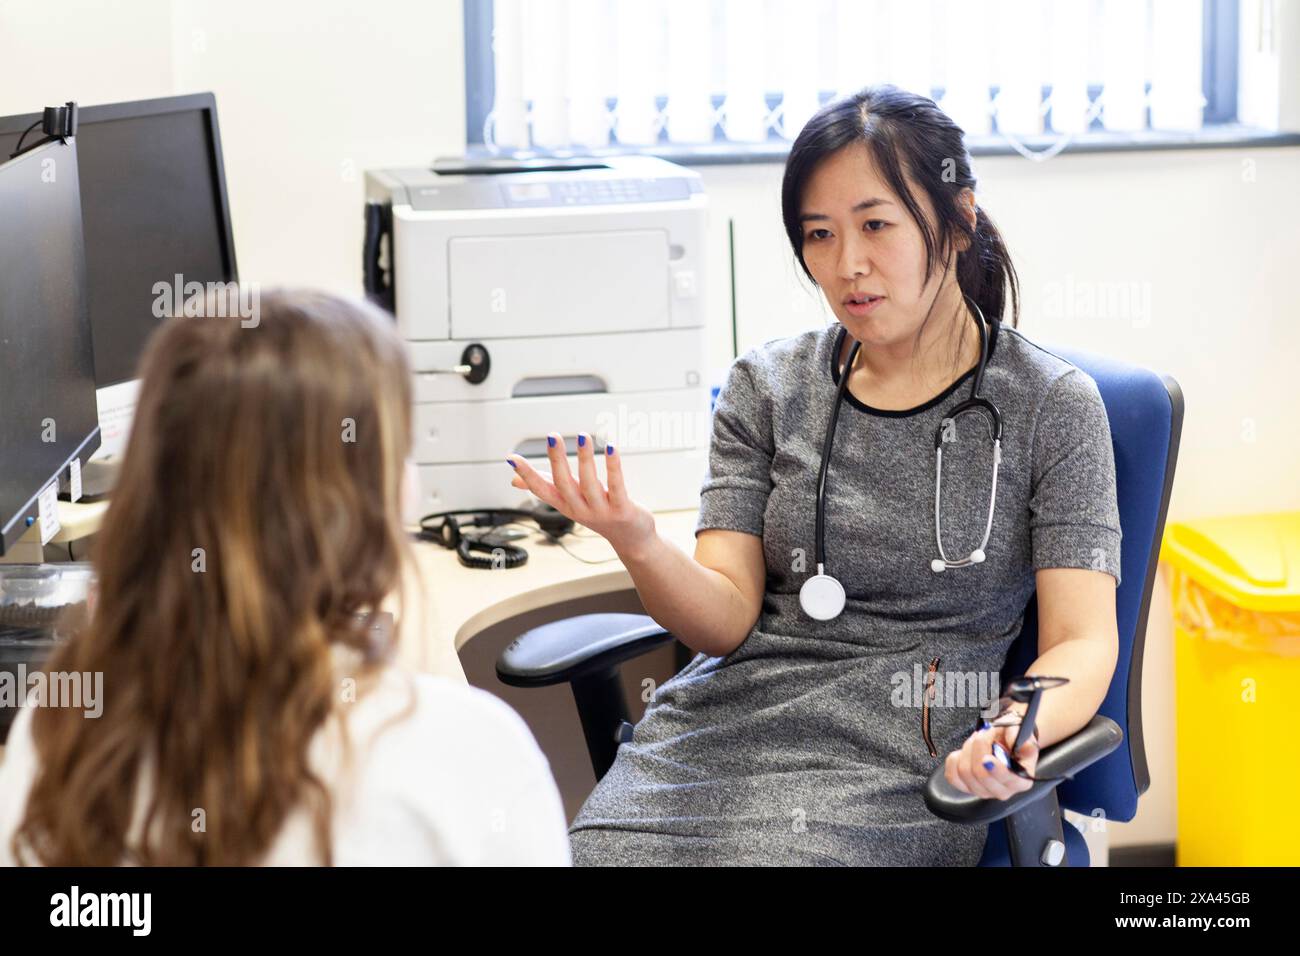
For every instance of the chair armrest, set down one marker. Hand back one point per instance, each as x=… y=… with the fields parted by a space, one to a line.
x=577 y=647
x=1063 y=759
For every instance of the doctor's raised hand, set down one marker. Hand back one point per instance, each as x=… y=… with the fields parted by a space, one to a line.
x=610 y=513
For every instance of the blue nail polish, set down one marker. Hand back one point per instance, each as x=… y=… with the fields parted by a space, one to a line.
x=609 y=449
x=550 y=440
x=582 y=441
x=511 y=463
x=988 y=764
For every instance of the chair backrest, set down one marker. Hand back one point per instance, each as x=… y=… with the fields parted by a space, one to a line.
x=1146 y=419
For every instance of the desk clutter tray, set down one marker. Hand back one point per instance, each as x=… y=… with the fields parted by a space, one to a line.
x=35 y=601
x=34 y=597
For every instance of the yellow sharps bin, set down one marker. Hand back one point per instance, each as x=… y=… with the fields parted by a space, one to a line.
x=1236 y=601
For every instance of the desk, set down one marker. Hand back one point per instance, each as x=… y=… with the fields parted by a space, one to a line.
x=463 y=602
x=77 y=521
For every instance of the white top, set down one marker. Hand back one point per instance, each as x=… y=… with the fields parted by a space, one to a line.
x=460 y=782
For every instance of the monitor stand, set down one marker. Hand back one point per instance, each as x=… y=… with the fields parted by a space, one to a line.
x=99 y=477
x=24 y=552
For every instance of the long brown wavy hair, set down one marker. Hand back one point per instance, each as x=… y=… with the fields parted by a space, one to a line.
x=254 y=533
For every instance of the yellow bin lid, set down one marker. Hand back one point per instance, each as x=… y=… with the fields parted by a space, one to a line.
x=1252 y=560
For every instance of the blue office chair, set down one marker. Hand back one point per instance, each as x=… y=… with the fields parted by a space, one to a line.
x=1104 y=763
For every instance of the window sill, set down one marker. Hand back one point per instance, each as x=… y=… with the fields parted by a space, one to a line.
x=1226 y=136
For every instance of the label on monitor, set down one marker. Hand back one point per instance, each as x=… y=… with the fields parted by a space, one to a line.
x=74 y=480
x=47 y=506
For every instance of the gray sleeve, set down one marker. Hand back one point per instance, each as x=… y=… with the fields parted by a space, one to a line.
x=1074 y=513
x=735 y=490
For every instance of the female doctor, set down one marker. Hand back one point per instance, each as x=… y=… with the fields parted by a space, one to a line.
x=829 y=594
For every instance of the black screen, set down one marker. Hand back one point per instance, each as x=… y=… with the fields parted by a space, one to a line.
x=47 y=385
x=153 y=206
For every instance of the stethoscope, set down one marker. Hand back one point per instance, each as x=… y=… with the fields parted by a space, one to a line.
x=822 y=596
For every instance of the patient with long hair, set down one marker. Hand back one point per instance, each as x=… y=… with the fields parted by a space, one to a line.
x=252 y=712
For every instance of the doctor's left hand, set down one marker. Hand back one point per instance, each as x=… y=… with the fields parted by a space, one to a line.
x=976 y=770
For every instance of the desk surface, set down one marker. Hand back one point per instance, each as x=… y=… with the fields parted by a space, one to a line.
x=76 y=521
x=463 y=601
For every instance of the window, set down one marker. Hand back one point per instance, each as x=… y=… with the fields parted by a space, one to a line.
x=738 y=78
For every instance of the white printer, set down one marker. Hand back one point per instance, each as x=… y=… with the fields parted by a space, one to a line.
x=563 y=296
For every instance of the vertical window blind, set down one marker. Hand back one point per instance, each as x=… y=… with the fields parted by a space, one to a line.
x=596 y=74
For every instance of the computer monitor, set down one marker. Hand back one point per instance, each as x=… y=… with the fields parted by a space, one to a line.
x=153 y=196
x=47 y=372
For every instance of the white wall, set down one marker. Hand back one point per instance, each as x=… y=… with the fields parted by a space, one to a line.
x=310 y=95
x=83 y=50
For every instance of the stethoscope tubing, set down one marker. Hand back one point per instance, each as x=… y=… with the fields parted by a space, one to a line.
x=974 y=401
x=826 y=455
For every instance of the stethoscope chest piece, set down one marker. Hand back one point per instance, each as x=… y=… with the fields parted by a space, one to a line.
x=822 y=597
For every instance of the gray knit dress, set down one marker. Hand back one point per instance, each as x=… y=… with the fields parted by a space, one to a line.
x=810 y=743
